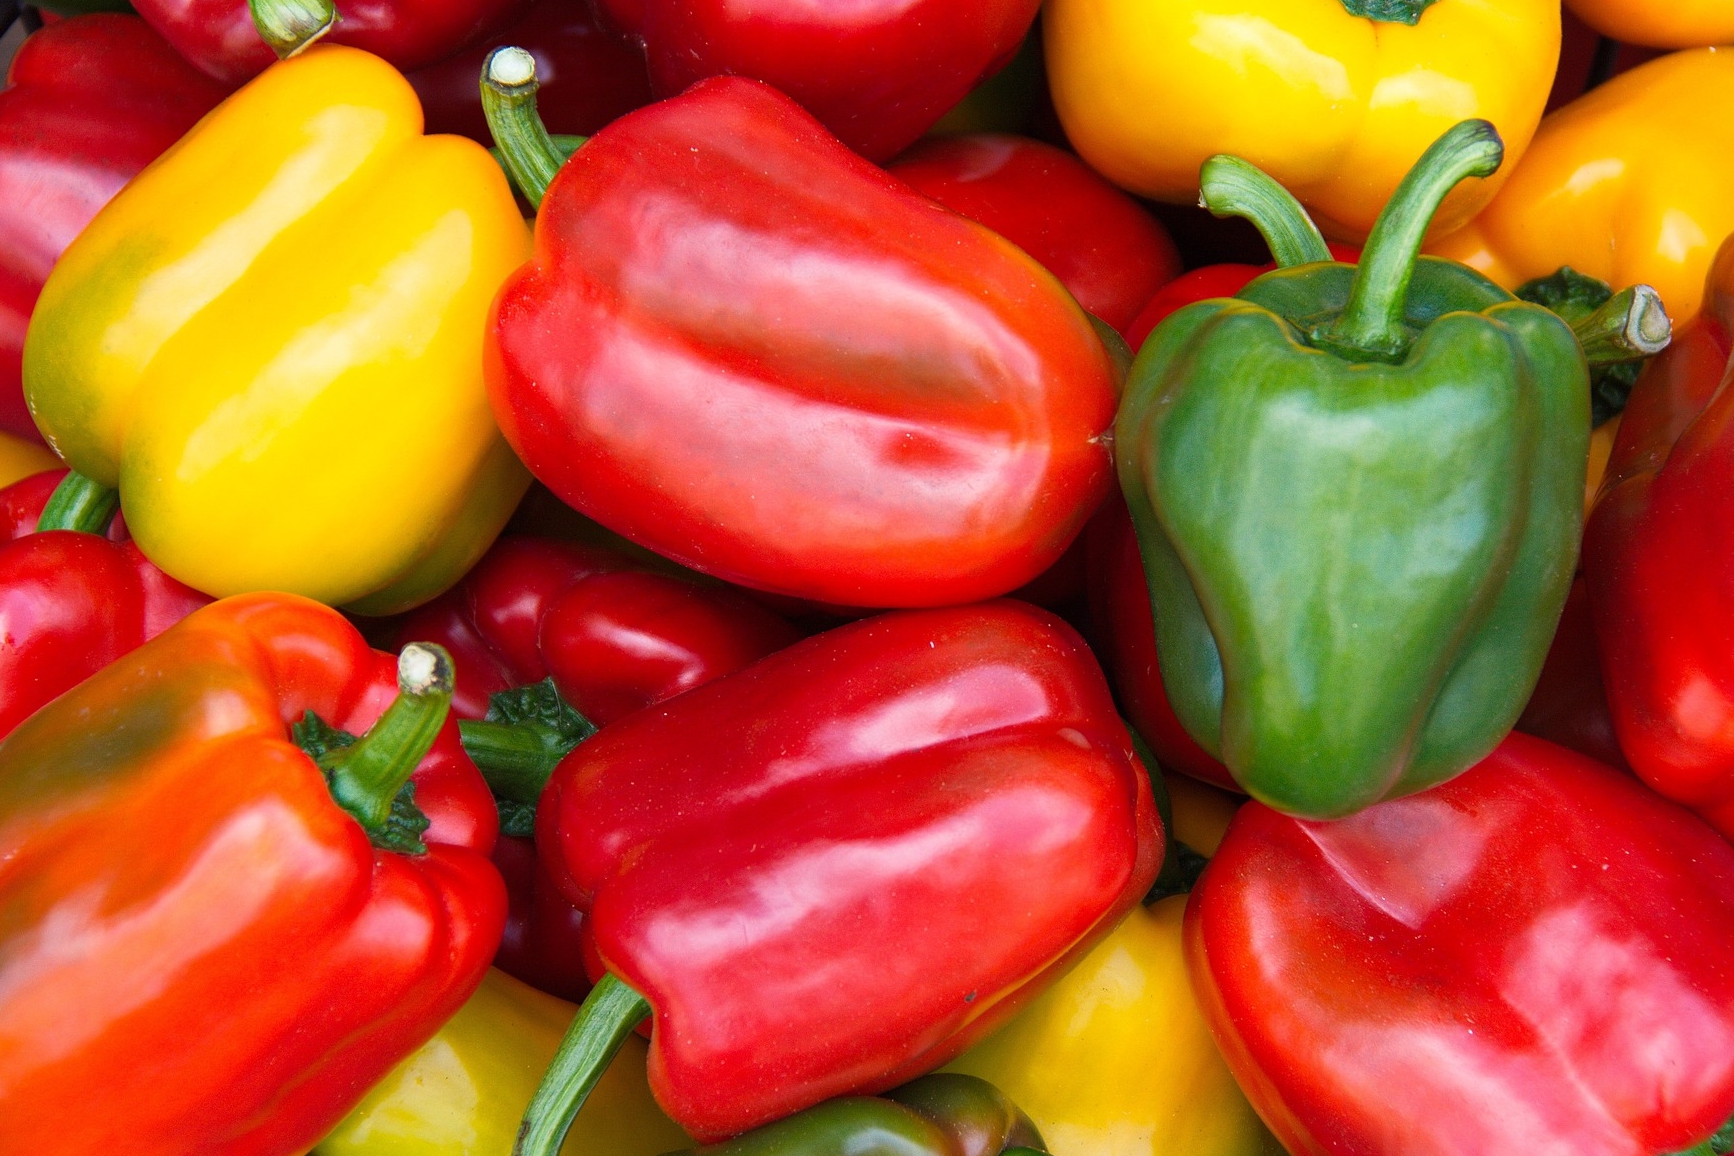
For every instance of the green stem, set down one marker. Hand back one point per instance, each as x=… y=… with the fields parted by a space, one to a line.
x=567 y=143
x=1231 y=187
x=1629 y=326
x=529 y=154
x=81 y=504
x=1372 y=323
x=607 y=1016
x=515 y=757
x=367 y=776
x=292 y=26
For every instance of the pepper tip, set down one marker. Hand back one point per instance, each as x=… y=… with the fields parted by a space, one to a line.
x=424 y=668
x=511 y=67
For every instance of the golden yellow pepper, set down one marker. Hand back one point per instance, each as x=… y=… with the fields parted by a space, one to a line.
x=271 y=343
x=1632 y=183
x=464 y=1092
x=1659 y=23
x=1336 y=106
x=20 y=458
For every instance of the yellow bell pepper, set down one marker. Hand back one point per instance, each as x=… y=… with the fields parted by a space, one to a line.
x=1115 y=1059
x=1336 y=107
x=271 y=343
x=1633 y=182
x=1201 y=812
x=19 y=458
x=1659 y=24
x=464 y=1092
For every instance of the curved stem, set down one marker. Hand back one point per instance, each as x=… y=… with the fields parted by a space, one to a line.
x=79 y=503
x=529 y=154
x=1629 y=326
x=1231 y=187
x=291 y=27
x=606 y=1017
x=367 y=776
x=1373 y=320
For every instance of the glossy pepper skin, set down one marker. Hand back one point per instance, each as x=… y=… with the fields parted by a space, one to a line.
x=305 y=279
x=982 y=810
x=1627 y=183
x=70 y=602
x=1529 y=958
x=1335 y=106
x=219 y=37
x=877 y=73
x=1655 y=556
x=89 y=102
x=1688 y=24
x=899 y=408
x=464 y=1090
x=237 y=961
x=1105 y=248
x=1363 y=613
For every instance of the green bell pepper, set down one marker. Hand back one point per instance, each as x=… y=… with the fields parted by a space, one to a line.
x=1358 y=495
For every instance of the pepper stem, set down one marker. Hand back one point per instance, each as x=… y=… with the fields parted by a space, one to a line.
x=515 y=757
x=529 y=154
x=1372 y=323
x=79 y=503
x=1231 y=187
x=367 y=776
x=1628 y=326
x=290 y=27
x=606 y=1017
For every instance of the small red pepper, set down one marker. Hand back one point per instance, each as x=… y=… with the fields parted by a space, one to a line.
x=1102 y=245
x=71 y=600
x=1532 y=957
x=90 y=101
x=744 y=347
x=201 y=948
x=835 y=869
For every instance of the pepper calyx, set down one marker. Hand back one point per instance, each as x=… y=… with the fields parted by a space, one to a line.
x=1389 y=11
x=528 y=154
x=404 y=826
x=526 y=733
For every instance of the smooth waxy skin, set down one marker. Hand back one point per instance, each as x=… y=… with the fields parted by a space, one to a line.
x=1355 y=568
x=984 y=822
x=1627 y=183
x=463 y=1092
x=1529 y=958
x=1686 y=24
x=189 y=923
x=320 y=300
x=744 y=347
x=1335 y=107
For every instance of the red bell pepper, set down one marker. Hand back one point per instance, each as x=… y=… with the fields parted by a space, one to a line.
x=589 y=75
x=201 y=949
x=877 y=74
x=90 y=101
x=745 y=348
x=1659 y=558
x=219 y=36
x=71 y=600
x=614 y=639
x=835 y=869
x=1102 y=245
x=1531 y=957
x=1569 y=705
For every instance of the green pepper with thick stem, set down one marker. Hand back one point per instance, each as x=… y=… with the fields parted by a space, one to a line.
x=1358 y=498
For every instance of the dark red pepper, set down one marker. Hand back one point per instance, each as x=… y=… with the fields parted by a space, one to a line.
x=1569 y=705
x=836 y=868
x=90 y=101
x=877 y=73
x=1532 y=957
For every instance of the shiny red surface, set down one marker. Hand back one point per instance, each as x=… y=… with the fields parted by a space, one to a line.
x=877 y=73
x=192 y=928
x=218 y=36
x=70 y=603
x=1659 y=558
x=1197 y=285
x=1569 y=705
x=1102 y=245
x=1529 y=958
x=586 y=75
x=90 y=101
x=744 y=347
x=835 y=869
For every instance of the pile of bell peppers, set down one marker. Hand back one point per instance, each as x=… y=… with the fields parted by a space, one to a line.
x=632 y=577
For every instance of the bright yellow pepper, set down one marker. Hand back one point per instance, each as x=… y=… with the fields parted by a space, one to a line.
x=1336 y=107
x=465 y=1091
x=19 y=458
x=1632 y=183
x=1115 y=1059
x=271 y=342
x=1659 y=24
